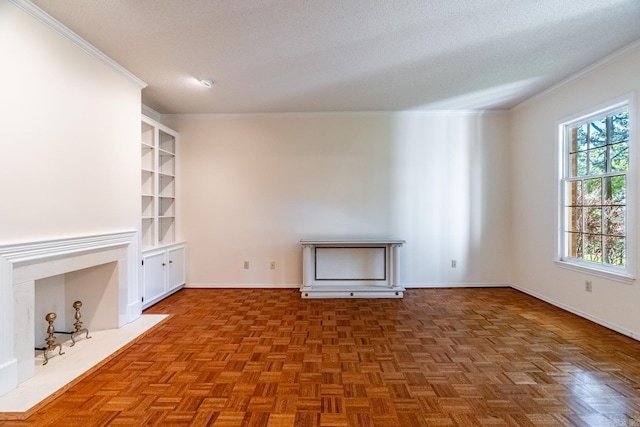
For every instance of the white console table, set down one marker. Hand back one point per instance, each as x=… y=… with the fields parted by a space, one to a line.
x=360 y=268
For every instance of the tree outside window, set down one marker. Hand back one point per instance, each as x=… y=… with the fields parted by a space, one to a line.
x=595 y=189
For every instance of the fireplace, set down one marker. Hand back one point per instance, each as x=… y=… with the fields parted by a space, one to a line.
x=101 y=270
x=96 y=287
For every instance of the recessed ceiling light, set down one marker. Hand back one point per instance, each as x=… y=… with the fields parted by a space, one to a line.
x=207 y=83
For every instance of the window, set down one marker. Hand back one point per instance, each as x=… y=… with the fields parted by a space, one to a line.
x=594 y=212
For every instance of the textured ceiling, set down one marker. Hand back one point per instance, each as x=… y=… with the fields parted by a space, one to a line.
x=348 y=55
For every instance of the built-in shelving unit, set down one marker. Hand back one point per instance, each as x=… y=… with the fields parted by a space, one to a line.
x=148 y=187
x=162 y=253
x=158 y=184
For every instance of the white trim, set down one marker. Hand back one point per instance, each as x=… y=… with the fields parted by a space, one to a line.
x=74 y=38
x=614 y=327
x=159 y=298
x=585 y=268
x=242 y=286
x=24 y=252
x=298 y=286
x=156 y=124
x=626 y=274
x=455 y=285
x=607 y=60
x=151 y=113
x=334 y=114
x=599 y=109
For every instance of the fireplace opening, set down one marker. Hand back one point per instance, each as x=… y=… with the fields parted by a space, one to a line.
x=96 y=287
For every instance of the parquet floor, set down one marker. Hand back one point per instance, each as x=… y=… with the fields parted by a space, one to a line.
x=439 y=357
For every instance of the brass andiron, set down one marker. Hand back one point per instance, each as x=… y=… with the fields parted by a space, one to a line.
x=78 y=324
x=51 y=341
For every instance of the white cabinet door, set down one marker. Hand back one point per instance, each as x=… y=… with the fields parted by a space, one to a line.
x=153 y=273
x=176 y=268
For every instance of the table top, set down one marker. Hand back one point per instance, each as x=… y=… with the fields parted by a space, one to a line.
x=359 y=241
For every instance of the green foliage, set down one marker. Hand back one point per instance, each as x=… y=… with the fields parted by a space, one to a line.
x=599 y=156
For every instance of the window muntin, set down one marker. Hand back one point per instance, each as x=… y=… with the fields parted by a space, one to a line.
x=595 y=181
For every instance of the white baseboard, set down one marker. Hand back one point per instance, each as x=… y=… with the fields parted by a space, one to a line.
x=242 y=286
x=594 y=319
x=456 y=285
x=296 y=286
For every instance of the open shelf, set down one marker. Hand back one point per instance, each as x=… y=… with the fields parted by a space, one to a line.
x=167 y=186
x=167 y=230
x=167 y=207
x=147 y=206
x=167 y=142
x=147 y=157
x=148 y=232
x=167 y=164
x=146 y=183
x=147 y=134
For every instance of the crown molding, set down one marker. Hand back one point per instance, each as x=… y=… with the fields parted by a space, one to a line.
x=631 y=47
x=151 y=113
x=333 y=114
x=65 y=32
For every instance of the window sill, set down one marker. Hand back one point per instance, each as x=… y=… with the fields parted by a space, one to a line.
x=621 y=276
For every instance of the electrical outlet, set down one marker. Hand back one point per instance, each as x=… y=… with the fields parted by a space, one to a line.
x=272 y=266
x=454 y=263
x=246 y=265
x=588 y=286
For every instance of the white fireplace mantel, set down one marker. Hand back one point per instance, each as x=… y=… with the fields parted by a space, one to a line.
x=24 y=263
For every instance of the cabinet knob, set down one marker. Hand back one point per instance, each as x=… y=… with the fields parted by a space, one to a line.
x=170 y=261
x=163 y=264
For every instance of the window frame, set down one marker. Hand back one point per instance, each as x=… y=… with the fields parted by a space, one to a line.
x=624 y=274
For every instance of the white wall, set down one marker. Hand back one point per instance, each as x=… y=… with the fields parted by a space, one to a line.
x=534 y=142
x=253 y=186
x=70 y=129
